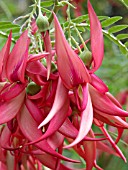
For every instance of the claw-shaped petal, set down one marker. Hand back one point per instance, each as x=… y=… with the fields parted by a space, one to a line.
x=17 y=60
x=85 y=124
x=71 y=68
x=4 y=53
x=97 y=43
x=61 y=102
x=32 y=133
x=10 y=108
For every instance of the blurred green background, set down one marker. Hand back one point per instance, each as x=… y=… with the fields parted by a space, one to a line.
x=114 y=70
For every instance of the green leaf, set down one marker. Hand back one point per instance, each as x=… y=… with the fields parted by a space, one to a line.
x=122 y=47
x=47 y=3
x=4 y=23
x=7 y=26
x=126 y=44
x=80 y=19
x=86 y=18
x=102 y=17
x=81 y=28
x=110 y=21
x=125 y=2
x=16 y=37
x=117 y=28
x=14 y=30
x=83 y=18
x=45 y=10
x=122 y=36
x=63 y=3
x=5 y=35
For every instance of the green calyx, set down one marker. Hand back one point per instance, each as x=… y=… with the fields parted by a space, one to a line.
x=86 y=57
x=33 y=88
x=42 y=23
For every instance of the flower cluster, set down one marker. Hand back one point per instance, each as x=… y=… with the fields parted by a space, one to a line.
x=45 y=109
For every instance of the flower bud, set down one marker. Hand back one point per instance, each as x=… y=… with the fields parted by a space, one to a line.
x=33 y=88
x=42 y=23
x=86 y=57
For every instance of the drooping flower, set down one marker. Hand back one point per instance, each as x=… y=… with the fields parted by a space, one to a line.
x=96 y=37
x=44 y=110
x=70 y=67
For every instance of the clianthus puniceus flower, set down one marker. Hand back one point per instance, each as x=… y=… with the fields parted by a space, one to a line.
x=43 y=112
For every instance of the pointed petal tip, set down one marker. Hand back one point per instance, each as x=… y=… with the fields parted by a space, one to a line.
x=65 y=54
x=40 y=126
x=95 y=34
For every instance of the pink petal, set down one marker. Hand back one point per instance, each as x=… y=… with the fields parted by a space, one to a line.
x=118 y=151
x=113 y=99
x=97 y=43
x=4 y=53
x=105 y=148
x=11 y=91
x=18 y=57
x=120 y=133
x=40 y=80
x=104 y=119
x=3 y=166
x=9 y=109
x=96 y=166
x=52 y=91
x=48 y=48
x=44 y=159
x=12 y=125
x=102 y=103
x=68 y=130
x=35 y=57
x=5 y=138
x=116 y=120
x=81 y=94
x=54 y=124
x=60 y=150
x=98 y=84
x=34 y=111
x=71 y=68
x=56 y=140
x=60 y=102
x=78 y=149
x=37 y=68
x=85 y=124
x=29 y=128
x=90 y=151
x=20 y=73
x=2 y=155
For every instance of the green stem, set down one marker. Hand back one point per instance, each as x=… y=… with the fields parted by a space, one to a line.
x=39 y=7
x=69 y=20
x=40 y=44
x=55 y=9
x=77 y=46
x=81 y=38
x=56 y=2
x=20 y=17
x=6 y=35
